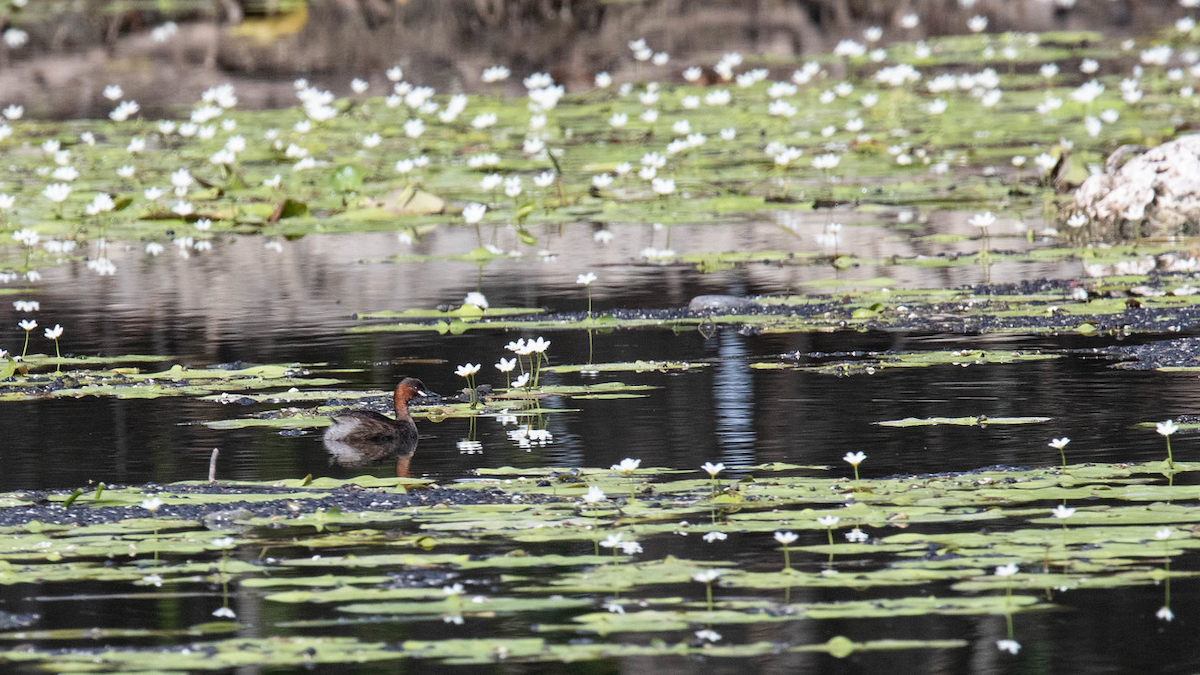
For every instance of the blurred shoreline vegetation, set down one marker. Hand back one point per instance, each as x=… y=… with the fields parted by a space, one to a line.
x=261 y=45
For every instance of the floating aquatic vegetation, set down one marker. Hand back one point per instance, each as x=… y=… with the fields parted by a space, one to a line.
x=433 y=534
x=175 y=381
x=869 y=364
x=977 y=421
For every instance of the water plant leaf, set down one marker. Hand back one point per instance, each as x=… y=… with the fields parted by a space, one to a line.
x=633 y=366
x=414 y=200
x=288 y=208
x=977 y=421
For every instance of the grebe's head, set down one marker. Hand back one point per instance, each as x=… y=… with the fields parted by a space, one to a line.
x=411 y=387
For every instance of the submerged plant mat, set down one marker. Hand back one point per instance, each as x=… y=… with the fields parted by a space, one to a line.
x=872 y=362
x=523 y=543
x=1113 y=306
x=507 y=403
x=175 y=381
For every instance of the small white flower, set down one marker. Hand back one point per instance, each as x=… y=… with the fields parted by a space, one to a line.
x=456 y=589
x=854 y=458
x=467 y=369
x=786 y=538
x=101 y=203
x=828 y=521
x=15 y=38
x=1062 y=511
x=715 y=536
x=152 y=504
x=495 y=74
x=473 y=213
x=506 y=365
x=65 y=173
x=1006 y=570
x=594 y=494
x=1059 y=443
x=627 y=465
x=857 y=536
x=585 y=279
x=57 y=192
x=54 y=333
x=224 y=613
x=707 y=576
x=1166 y=428
x=414 y=128
x=982 y=220
x=713 y=469
x=662 y=186
x=611 y=541
x=532 y=146
x=1163 y=533
x=1010 y=646
x=181 y=178
x=1165 y=614
x=476 y=298
x=708 y=634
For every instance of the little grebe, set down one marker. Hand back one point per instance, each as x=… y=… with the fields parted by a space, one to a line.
x=360 y=436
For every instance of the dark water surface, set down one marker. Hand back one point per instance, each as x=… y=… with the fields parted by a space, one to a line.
x=299 y=304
